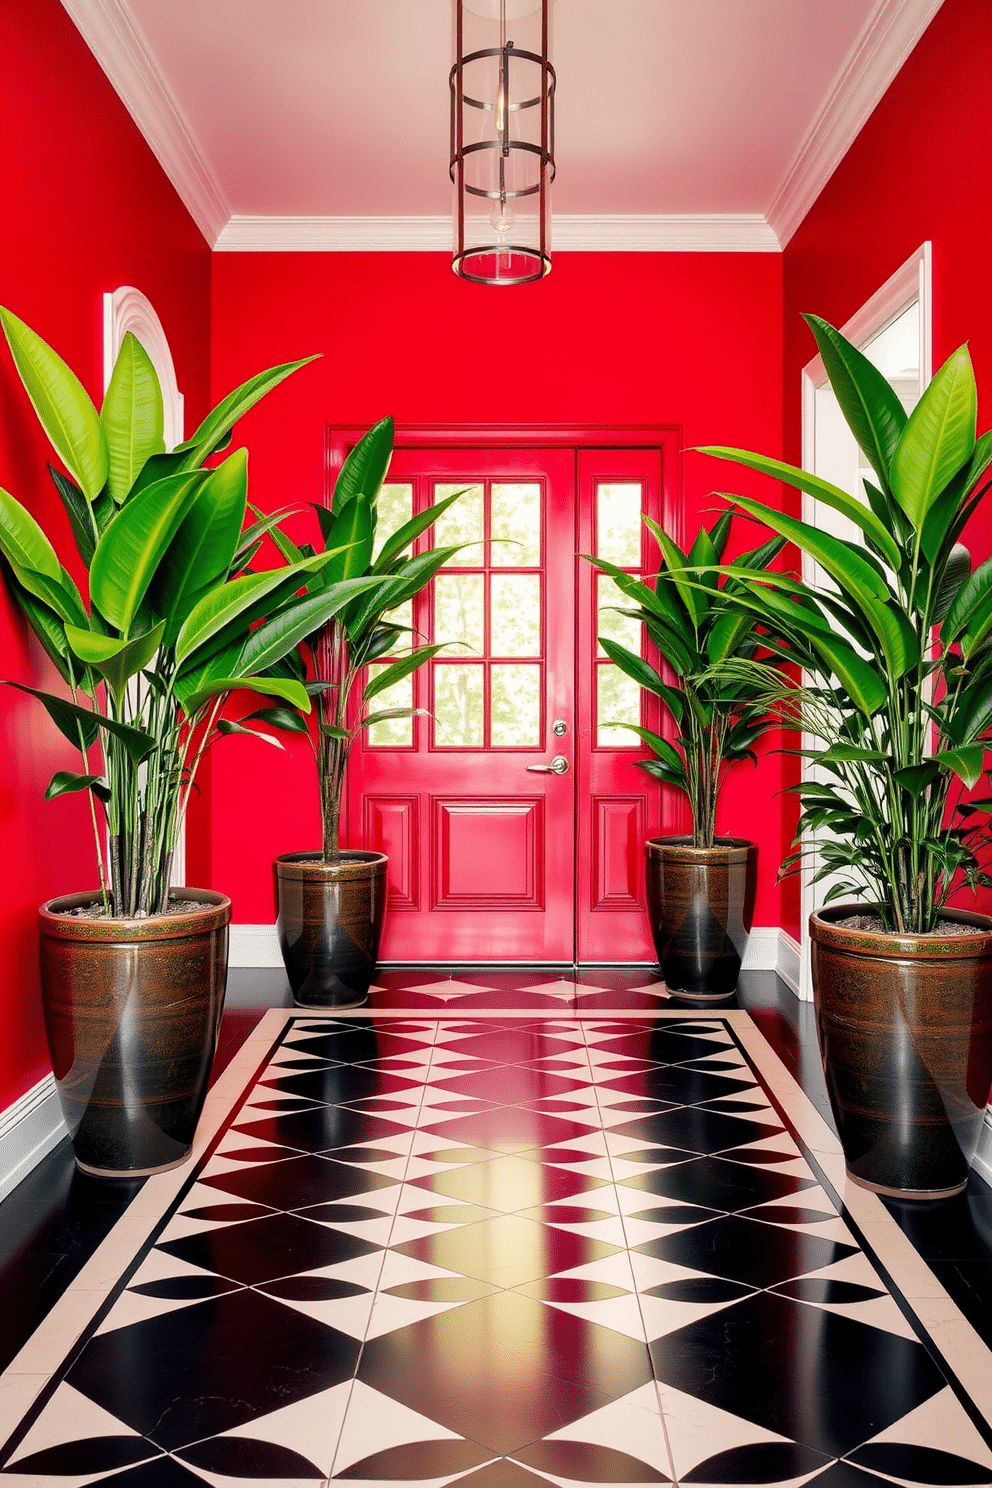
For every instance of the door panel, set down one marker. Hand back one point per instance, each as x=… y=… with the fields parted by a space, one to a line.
x=619 y=806
x=492 y=856
x=484 y=844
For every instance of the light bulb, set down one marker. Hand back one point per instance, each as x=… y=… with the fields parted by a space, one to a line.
x=502 y=217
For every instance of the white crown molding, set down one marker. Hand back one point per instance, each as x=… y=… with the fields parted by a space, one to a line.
x=119 y=47
x=713 y=233
x=890 y=34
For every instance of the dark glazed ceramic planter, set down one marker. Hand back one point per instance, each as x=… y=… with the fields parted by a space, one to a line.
x=330 y=921
x=905 y=1030
x=132 y=1013
x=701 y=907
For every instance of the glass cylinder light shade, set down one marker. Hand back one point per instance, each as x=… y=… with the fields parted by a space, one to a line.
x=502 y=140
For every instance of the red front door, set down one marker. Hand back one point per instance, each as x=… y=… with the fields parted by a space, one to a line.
x=512 y=817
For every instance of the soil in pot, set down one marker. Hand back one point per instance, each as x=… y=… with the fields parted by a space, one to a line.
x=132 y=1013
x=905 y=1030
x=329 y=924
x=701 y=907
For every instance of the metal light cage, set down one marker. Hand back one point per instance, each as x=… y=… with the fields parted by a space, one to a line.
x=502 y=140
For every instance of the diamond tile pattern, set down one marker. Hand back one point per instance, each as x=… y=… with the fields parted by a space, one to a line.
x=505 y=1252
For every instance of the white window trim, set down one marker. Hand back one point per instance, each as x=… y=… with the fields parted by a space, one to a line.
x=912 y=281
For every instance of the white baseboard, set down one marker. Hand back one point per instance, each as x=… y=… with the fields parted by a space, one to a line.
x=29 y=1129
x=983 y=1157
x=253 y=945
x=768 y=949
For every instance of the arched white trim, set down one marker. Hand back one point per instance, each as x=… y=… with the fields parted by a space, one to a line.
x=127 y=309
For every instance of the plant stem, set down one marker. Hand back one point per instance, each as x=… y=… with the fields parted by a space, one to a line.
x=331 y=663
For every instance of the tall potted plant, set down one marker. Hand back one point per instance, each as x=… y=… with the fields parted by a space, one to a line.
x=134 y=972
x=331 y=902
x=896 y=652
x=700 y=887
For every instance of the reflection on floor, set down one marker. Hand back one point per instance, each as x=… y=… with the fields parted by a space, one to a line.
x=572 y=1247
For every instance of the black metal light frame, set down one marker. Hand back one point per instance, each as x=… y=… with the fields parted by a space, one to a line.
x=538 y=253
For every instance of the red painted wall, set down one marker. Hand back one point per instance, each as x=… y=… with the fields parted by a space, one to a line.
x=86 y=208
x=920 y=168
x=693 y=340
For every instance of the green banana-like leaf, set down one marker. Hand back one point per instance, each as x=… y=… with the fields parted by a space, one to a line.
x=971 y=595
x=939 y=438
x=281 y=687
x=400 y=669
x=69 y=718
x=22 y=541
x=720 y=533
x=394 y=590
x=676 y=561
x=802 y=480
x=61 y=596
x=957 y=572
x=702 y=556
x=665 y=751
x=685 y=662
x=653 y=740
x=115 y=661
x=895 y=634
x=973 y=715
x=663 y=604
x=132 y=417
x=726 y=635
x=849 y=567
x=867 y=400
x=65 y=783
x=240 y=600
x=218 y=424
x=271 y=640
x=352 y=534
x=655 y=768
x=861 y=681
x=64 y=407
x=916 y=778
x=278 y=717
x=365 y=467
x=642 y=672
x=46 y=625
x=87 y=519
x=230 y=726
x=199 y=557
x=978 y=628
x=406 y=535
x=386 y=714
x=966 y=763
x=129 y=552
x=848 y=753
x=250 y=538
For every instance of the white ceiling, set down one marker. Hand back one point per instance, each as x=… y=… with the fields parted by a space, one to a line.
x=324 y=123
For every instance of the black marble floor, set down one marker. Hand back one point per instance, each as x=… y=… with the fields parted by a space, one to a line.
x=462 y=1245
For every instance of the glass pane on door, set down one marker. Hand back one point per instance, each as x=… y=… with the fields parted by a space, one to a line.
x=488 y=606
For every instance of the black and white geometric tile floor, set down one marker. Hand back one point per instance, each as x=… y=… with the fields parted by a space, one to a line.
x=507 y=1251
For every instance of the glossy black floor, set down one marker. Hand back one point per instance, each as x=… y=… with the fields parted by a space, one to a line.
x=53 y=1222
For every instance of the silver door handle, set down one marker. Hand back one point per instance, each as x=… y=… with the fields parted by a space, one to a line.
x=558 y=766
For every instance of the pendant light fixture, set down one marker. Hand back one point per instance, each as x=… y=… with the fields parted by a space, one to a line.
x=502 y=140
